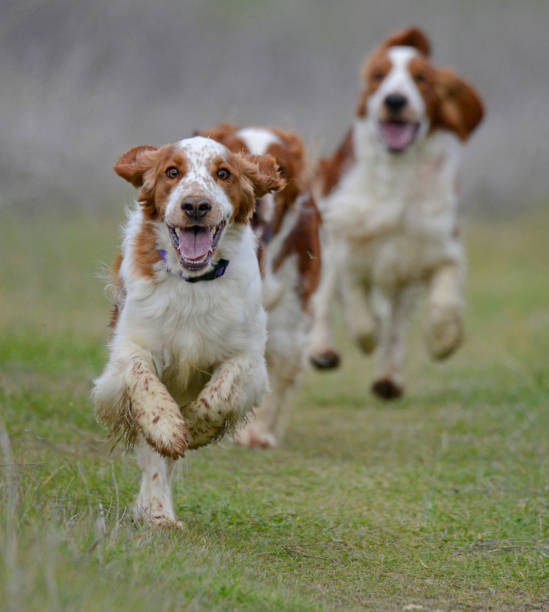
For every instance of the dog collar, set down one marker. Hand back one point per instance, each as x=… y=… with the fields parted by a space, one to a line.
x=216 y=272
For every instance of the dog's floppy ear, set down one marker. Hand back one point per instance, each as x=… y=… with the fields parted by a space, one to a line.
x=264 y=174
x=460 y=108
x=133 y=164
x=259 y=175
x=409 y=37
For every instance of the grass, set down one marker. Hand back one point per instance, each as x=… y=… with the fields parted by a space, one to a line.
x=439 y=501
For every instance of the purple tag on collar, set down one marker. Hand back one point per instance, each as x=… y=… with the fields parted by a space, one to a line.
x=162 y=253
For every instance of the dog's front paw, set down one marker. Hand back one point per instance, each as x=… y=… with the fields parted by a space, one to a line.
x=165 y=429
x=387 y=389
x=326 y=359
x=444 y=331
x=209 y=418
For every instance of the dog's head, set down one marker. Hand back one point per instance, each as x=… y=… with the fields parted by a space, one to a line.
x=288 y=151
x=197 y=188
x=406 y=97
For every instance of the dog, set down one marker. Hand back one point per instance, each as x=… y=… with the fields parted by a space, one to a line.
x=388 y=197
x=187 y=350
x=287 y=225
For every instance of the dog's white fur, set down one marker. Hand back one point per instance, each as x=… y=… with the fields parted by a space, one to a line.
x=391 y=228
x=187 y=356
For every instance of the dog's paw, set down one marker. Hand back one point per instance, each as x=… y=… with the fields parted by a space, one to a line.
x=157 y=520
x=155 y=512
x=325 y=360
x=367 y=341
x=444 y=331
x=162 y=522
x=387 y=389
x=251 y=438
x=166 y=431
x=209 y=418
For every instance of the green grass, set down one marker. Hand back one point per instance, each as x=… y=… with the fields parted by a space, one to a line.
x=440 y=500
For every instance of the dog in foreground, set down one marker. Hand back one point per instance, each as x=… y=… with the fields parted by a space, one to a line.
x=388 y=198
x=287 y=225
x=189 y=329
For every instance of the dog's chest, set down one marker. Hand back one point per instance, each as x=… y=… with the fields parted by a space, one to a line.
x=189 y=326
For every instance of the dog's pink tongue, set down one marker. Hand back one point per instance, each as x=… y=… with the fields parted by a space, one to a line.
x=195 y=242
x=398 y=135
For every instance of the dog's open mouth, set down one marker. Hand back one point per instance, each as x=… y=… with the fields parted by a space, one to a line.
x=195 y=244
x=398 y=135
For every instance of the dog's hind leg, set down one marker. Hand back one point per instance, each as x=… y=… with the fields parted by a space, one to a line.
x=444 y=329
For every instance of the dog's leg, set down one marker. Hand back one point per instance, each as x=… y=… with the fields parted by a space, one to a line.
x=129 y=393
x=358 y=314
x=234 y=389
x=444 y=330
x=321 y=353
x=393 y=311
x=266 y=426
x=154 y=502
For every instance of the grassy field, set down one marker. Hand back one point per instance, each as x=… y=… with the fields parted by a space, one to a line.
x=439 y=501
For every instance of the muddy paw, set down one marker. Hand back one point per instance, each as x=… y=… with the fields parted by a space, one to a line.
x=387 y=389
x=444 y=332
x=167 y=433
x=326 y=360
x=367 y=342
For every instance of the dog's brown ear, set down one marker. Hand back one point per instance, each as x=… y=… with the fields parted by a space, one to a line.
x=133 y=164
x=409 y=37
x=460 y=108
x=264 y=174
x=259 y=175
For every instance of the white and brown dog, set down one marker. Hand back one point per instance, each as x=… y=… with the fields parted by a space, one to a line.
x=388 y=197
x=187 y=352
x=287 y=225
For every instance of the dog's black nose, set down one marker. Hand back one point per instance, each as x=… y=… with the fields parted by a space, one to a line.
x=395 y=102
x=195 y=208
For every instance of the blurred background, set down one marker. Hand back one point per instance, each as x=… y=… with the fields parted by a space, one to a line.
x=83 y=81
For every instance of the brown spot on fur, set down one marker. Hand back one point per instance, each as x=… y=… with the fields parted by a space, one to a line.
x=304 y=241
x=155 y=420
x=118 y=291
x=331 y=169
x=155 y=476
x=376 y=67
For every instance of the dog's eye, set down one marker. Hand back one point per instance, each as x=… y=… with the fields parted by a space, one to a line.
x=420 y=77
x=282 y=171
x=172 y=172
x=378 y=76
x=223 y=174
